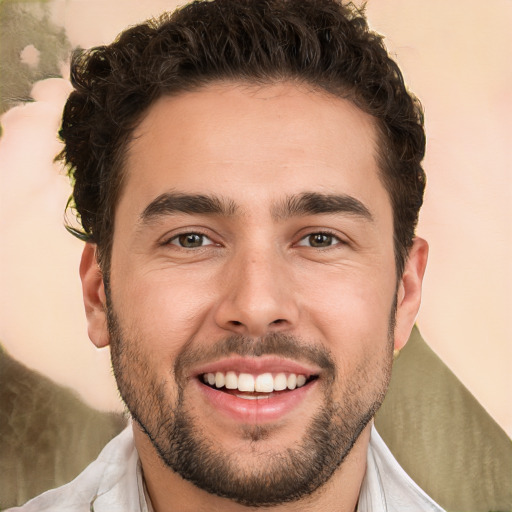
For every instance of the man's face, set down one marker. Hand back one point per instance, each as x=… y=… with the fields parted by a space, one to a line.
x=253 y=247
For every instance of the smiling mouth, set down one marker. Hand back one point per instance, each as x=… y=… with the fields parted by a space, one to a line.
x=254 y=387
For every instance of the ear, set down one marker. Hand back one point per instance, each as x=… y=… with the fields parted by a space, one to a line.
x=409 y=291
x=94 y=296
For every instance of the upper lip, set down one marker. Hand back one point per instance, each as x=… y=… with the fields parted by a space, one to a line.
x=256 y=366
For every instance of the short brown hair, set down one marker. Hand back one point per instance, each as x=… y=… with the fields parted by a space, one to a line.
x=322 y=43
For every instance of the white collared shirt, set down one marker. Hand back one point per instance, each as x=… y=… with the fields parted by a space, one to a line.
x=387 y=487
x=114 y=483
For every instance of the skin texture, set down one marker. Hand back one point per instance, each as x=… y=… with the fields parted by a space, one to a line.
x=254 y=276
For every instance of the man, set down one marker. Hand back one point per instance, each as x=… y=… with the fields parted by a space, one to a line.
x=248 y=178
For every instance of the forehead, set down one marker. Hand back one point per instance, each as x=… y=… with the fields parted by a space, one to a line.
x=252 y=144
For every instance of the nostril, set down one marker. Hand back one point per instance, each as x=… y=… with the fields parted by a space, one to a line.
x=236 y=322
x=278 y=321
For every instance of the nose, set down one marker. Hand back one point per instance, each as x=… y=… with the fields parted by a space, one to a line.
x=258 y=296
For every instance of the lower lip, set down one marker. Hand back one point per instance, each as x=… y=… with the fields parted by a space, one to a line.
x=262 y=410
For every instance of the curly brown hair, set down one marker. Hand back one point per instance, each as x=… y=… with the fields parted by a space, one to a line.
x=322 y=43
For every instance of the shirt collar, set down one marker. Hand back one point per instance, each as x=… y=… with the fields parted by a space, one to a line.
x=386 y=486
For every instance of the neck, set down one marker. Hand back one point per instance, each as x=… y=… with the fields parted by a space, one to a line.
x=169 y=492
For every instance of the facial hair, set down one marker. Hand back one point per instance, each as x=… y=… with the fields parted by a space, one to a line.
x=287 y=475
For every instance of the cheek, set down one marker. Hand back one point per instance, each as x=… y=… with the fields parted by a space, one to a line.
x=351 y=312
x=164 y=311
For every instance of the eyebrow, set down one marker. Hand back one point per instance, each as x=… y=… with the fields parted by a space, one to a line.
x=314 y=203
x=308 y=203
x=171 y=203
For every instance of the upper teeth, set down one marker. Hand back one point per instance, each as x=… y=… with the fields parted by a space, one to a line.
x=263 y=383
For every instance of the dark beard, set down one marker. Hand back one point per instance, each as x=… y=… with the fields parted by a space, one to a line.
x=284 y=476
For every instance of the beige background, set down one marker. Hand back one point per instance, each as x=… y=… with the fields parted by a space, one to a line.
x=455 y=55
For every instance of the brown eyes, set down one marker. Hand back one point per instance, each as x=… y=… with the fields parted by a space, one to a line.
x=196 y=240
x=191 y=240
x=319 y=240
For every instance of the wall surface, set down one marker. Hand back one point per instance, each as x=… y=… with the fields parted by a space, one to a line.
x=455 y=57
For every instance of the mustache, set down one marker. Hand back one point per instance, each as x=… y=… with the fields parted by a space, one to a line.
x=272 y=344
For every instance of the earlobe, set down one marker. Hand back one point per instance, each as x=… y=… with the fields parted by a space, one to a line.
x=409 y=291
x=94 y=296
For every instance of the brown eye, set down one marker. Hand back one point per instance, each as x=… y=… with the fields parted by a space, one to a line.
x=191 y=240
x=319 y=240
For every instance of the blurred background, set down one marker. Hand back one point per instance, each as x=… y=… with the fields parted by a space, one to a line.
x=456 y=56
